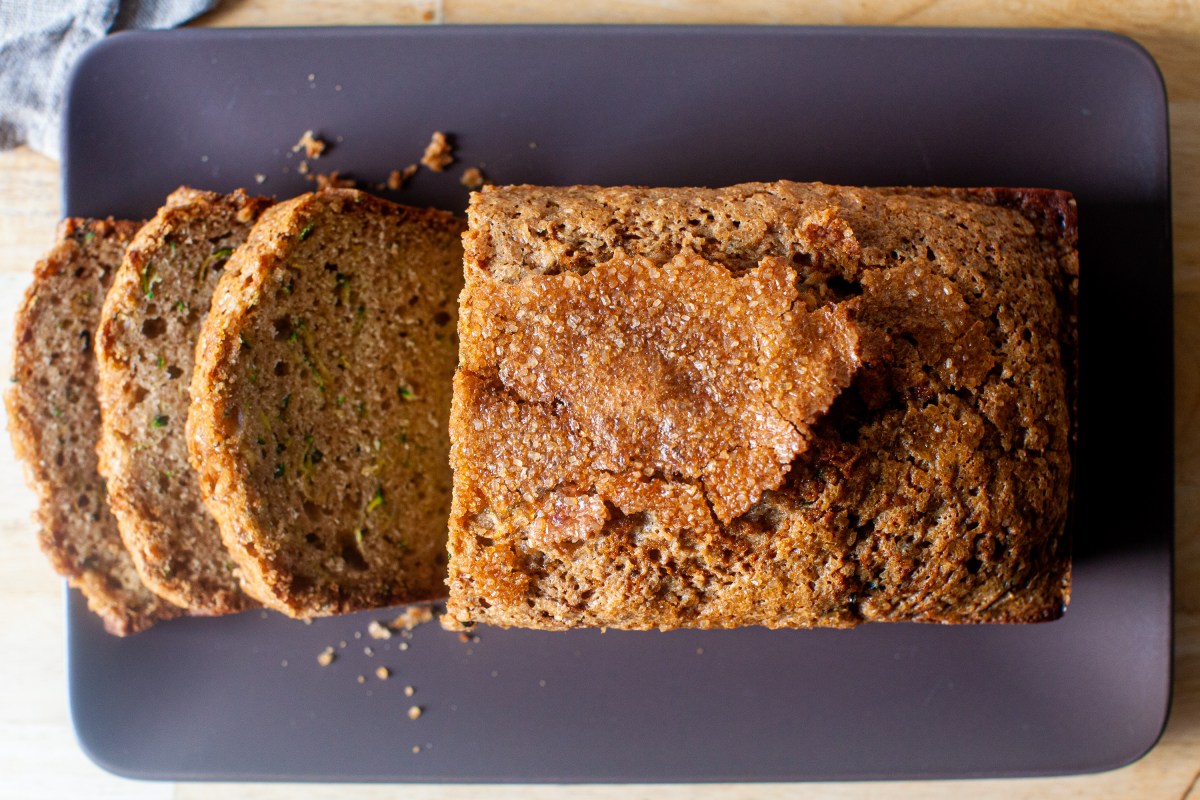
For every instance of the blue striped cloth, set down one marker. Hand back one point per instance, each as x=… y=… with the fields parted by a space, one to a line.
x=40 y=41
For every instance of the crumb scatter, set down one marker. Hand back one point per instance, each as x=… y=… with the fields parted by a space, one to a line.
x=313 y=146
x=377 y=630
x=333 y=180
x=472 y=178
x=439 y=153
x=413 y=616
x=397 y=178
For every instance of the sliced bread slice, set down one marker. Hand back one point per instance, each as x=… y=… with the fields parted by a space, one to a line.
x=145 y=347
x=320 y=402
x=54 y=419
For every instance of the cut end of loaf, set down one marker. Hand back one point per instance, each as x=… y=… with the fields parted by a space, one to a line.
x=145 y=347
x=322 y=390
x=54 y=419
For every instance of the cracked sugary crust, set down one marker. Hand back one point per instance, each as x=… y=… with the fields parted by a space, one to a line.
x=934 y=487
x=713 y=359
x=54 y=419
x=321 y=393
x=144 y=347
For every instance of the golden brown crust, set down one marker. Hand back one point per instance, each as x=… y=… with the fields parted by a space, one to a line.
x=677 y=369
x=321 y=392
x=935 y=487
x=54 y=420
x=145 y=349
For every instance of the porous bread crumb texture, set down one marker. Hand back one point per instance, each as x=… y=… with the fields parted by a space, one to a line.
x=145 y=349
x=54 y=419
x=321 y=434
x=630 y=357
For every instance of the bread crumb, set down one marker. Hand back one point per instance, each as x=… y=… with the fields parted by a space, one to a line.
x=398 y=177
x=404 y=645
x=326 y=657
x=333 y=181
x=377 y=630
x=260 y=178
x=368 y=651
x=283 y=663
x=415 y=711
x=412 y=617
x=472 y=178
x=383 y=673
x=408 y=691
x=699 y=651
x=416 y=748
x=313 y=146
x=450 y=623
x=439 y=153
x=361 y=678
x=303 y=168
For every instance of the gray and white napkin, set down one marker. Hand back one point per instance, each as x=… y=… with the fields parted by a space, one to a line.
x=40 y=40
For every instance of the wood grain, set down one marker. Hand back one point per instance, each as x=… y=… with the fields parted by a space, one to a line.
x=288 y=13
x=39 y=756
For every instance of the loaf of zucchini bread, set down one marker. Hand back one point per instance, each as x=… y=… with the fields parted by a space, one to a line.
x=781 y=404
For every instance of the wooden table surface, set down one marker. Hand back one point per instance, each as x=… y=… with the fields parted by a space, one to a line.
x=38 y=753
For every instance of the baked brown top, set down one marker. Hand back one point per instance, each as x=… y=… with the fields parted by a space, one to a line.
x=54 y=419
x=320 y=402
x=145 y=346
x=676 y=369
x=609 y=479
